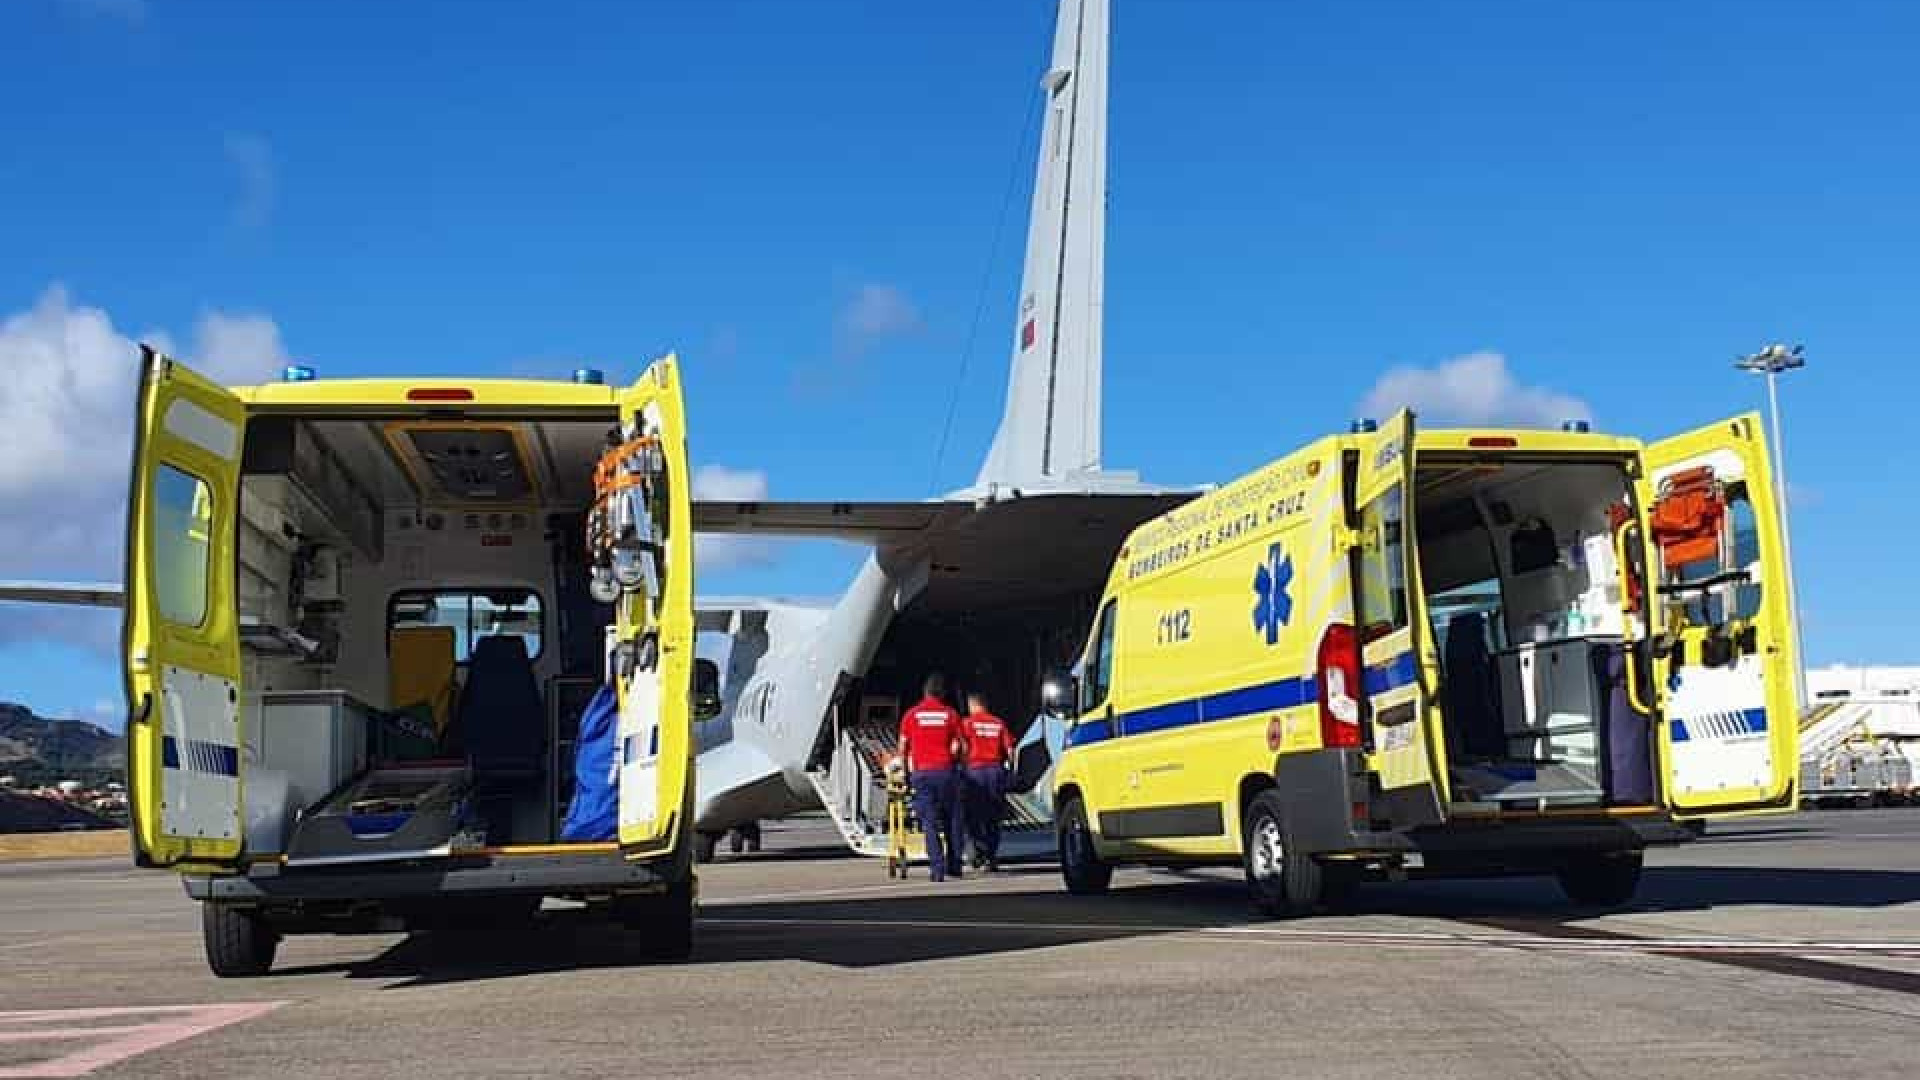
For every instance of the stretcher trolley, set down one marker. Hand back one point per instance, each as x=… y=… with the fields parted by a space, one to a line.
x=899 y=819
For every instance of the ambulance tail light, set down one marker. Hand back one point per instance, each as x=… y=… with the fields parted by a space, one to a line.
x=1339 y=687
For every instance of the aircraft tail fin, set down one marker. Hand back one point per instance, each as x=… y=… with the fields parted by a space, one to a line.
x=1050 y=430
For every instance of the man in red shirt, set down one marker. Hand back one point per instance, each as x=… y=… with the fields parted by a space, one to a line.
x=930 y=744
x=989 y=756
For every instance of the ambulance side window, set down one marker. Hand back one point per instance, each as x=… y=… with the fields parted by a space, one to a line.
x=1383 y=565
x=182 y=537
x=1099 y=664
x=1735 y=548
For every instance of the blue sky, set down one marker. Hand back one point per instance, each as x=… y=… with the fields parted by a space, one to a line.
x=802 y=198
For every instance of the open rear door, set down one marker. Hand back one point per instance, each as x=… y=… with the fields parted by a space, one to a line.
x=1730 y=737
x=181 y=633
x=649 y=514
x=1388 y=614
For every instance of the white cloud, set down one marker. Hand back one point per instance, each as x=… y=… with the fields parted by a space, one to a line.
x=873 y=316
x=252 y=161
x=131 y=12
x=718 y=551
x=67 y=408
x=1475 y=390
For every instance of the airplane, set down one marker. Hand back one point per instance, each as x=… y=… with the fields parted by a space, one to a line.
x=992 y=585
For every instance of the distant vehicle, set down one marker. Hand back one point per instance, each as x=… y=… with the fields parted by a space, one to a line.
x=1458 y=652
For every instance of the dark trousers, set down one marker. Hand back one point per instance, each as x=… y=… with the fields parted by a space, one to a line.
x=938 y=805
x=986 y=797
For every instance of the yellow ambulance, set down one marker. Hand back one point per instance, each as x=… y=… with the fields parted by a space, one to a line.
x=1450 y=653
x=364 y=621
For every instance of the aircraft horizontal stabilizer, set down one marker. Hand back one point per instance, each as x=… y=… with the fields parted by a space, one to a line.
x=861 y=521
x=85 y=594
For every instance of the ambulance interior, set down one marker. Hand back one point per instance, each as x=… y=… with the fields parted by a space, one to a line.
x=418 y=638
x=1524 y=601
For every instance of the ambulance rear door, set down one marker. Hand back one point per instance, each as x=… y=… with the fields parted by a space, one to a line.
x=181 y=636
x=645 y=495
x=1388 y=616
x=1725 y=668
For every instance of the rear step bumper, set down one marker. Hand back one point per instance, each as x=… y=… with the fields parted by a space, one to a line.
x=459 y=876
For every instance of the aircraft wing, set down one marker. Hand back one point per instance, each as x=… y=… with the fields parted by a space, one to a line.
x=84 y=594
x=867 y=522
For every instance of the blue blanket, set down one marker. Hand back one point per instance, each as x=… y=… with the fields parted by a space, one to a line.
x=595 y=812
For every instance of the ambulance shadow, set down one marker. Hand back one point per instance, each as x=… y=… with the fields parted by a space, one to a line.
x=1662 y=889
x=858 y=933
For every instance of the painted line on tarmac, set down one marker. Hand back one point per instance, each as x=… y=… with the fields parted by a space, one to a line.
x=1379 y=938
x=142 y=1029
x=813 y=894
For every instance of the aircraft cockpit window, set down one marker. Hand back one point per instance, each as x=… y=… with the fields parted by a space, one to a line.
x=472 y=614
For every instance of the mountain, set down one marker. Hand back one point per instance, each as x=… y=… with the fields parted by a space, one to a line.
x=40 y=750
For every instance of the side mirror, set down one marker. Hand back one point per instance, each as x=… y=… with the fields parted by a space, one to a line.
x=706 y=689
x=1058 y=693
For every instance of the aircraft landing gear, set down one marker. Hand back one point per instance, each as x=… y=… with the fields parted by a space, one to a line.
x=706 y=846
x=744 y=838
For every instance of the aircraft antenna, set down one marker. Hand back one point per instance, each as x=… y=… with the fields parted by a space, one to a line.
x=1027 y=127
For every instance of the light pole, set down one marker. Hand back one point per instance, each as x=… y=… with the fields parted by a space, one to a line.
x=1771 y=362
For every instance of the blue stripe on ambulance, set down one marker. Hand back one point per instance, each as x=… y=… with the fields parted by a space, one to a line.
x=1720 y=725
x=194 y=755
x=1392 y=675
x=1229 y=705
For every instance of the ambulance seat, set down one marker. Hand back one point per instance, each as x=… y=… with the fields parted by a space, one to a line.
x=501 y=719
x=503 y=727
x=1470 y=690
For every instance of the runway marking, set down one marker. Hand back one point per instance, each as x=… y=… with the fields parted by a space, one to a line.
x=144 y=1028
x=1386 y=938
x=808 y=894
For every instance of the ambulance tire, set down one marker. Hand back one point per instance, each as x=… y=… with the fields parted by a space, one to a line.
x=1601 y=880
x=662 y=921
x=1281 y=878
x=239 y=943
x=1081 y=866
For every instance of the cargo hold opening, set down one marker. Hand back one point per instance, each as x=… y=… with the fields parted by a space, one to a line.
x=1009 y=596
x=1523 y=595
x=418 y=639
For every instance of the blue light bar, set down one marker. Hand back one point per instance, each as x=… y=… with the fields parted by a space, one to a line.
x=1366 y=425
x=589 y=376
x=1576 y=427
x=296 y=373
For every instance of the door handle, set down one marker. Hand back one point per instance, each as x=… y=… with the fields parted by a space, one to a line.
x=145 y=710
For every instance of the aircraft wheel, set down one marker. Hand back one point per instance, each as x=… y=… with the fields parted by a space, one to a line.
x=706 y=846
x=239 y=943
x=752 y=835
x=737 y=839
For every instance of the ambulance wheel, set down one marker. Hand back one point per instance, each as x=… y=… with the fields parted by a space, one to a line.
x=1281 y=878
x=706 y=846
x=1601 y=880
x=1085 y=872
x=239 y=943
x=663 y=922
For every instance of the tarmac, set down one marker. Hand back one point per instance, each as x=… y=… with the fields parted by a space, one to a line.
x=1782 y=947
